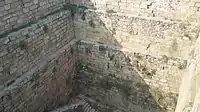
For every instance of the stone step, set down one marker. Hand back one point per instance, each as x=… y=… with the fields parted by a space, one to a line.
x=79 y=106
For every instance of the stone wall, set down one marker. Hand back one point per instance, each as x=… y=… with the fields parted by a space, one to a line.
x=194 y=4
x=155 y=37
x=21 y=50
x=45 y=86
x=161 y=76
x=37 y=60
x=164 y=9
x=152 y=36
x=15 y=13
x=144 y=42
x=160 y=72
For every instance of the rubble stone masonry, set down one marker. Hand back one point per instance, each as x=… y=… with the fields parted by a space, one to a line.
x=44 y=44
x=37 y=56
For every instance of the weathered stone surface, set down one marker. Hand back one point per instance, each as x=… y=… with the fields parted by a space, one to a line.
x=155 y=37
x=152 y=37
x=160 y=74
x=30 y=45
x=189 y=89
x=18 y=12
x=43 y=87
x=165 y=9
x=131 y=53
x=37 y=61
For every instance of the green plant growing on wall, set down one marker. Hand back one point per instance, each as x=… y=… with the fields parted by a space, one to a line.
x=80 y=67
x=22 y=45
x=45 y=28
x=91 y=23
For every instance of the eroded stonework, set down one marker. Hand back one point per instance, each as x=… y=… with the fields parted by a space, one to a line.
x=121 y=56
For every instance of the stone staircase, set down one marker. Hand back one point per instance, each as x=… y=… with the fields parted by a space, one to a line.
x=78 y=105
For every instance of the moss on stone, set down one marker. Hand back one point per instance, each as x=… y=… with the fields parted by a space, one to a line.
x=22 y=45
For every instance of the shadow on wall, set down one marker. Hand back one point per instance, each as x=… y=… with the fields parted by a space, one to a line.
x=105 y=73
x=90 y=26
